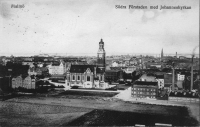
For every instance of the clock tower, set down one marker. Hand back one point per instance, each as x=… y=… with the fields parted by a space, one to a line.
x=101 y=56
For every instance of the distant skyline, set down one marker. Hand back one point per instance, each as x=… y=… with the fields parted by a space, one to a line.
x=76 y=27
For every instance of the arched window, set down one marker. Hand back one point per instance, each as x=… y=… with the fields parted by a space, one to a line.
x=88 y=78
x=73 y=77
x=78 y=77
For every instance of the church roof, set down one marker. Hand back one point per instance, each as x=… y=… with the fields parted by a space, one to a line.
x=83 y=68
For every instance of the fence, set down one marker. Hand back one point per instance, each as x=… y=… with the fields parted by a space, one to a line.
x=184 y=99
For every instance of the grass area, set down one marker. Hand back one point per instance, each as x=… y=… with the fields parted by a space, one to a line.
x=26 y=114
x=89 y=93
x=117 y=118
x=50 y=111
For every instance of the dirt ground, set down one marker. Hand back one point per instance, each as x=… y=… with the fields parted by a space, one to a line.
x=67 y=110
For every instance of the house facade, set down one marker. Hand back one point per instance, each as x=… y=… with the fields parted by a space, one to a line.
x=17 y=82
x=56 y=68
x=112 y=75
x=27 y=83
x=160 y=80
x=144 y=89
x=180 y=77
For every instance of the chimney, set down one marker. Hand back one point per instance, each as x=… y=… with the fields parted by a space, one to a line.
x=95 y=73
x=173 y=76
x=191 y=87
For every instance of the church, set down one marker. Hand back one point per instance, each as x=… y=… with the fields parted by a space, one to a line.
x=89 y=76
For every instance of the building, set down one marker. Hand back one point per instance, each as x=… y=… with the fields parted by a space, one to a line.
x=160 y=80
x=168 y=81
x=17 y=82
x=27 y=82
x=101 y=56
x=42 y=71
x=85 y=76
x=32 y=71
x=180 y=77
x=89 y=76
x=130 y=69
x=147 y=78
x=144 y=89
x=56 y=68
x=115 y=64
x=112 y=75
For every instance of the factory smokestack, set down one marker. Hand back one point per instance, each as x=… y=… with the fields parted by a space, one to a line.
x=173 y=76
x=95 y=72
x=191 y=87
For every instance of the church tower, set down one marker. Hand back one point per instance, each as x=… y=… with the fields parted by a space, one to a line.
x=101 y=54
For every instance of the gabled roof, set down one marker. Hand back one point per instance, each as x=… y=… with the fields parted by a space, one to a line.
x=83 y=68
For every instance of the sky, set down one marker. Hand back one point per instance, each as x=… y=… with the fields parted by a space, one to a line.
x=76 y=27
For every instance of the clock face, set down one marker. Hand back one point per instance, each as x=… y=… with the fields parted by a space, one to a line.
x=100 y=55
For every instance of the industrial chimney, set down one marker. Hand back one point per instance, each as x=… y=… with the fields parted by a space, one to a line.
x=191 y=87
x=173 y=76
x=95 y=72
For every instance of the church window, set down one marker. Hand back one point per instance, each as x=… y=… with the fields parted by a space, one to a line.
x=73 y=77
x=88 y=78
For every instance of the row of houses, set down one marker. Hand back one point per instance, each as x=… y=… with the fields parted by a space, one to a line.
x=152 y=85
x=58 y=68
x=27 y=82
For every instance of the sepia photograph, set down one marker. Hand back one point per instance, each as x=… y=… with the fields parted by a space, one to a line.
x=99 y=63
